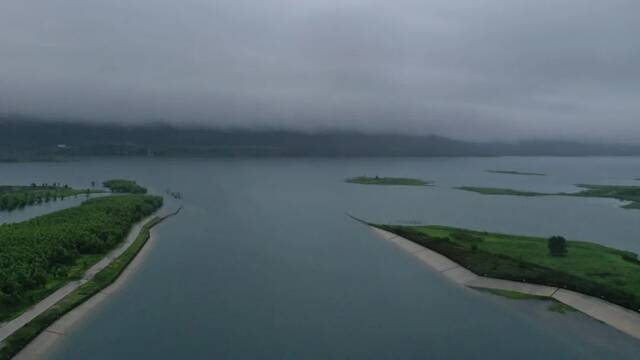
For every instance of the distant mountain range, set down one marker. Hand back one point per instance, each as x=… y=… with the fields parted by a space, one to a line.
x=23 y=138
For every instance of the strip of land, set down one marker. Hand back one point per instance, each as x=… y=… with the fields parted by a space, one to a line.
x=511 y=172
x=17 y=197
x=57 y=314
x=623 y=319
x=41 y=255
x=630 y=194
x=376 y=180
x=124 y=186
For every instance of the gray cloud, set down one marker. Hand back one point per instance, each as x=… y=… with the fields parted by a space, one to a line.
x=480 y=69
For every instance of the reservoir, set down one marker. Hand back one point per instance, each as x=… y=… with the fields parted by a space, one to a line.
x=264 y=263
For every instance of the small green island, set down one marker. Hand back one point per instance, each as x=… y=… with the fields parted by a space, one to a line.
x=630 y=194
x=588 y=268
x=17 y=197
x=376 y=180
x=511 y=172
x=124 y=186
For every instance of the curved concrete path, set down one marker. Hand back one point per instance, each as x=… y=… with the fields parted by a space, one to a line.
x=8 y=328
x=623 y=319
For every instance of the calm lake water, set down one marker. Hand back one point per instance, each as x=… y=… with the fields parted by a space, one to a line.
x=264 y=263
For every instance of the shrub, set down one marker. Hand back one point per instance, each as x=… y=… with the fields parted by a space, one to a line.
x=557 y=246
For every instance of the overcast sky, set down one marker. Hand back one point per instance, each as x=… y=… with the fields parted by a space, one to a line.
x=480 y=69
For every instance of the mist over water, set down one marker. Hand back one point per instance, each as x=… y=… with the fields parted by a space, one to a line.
x=264 y=263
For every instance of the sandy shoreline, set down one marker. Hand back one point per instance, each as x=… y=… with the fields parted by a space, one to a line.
x=620 y=318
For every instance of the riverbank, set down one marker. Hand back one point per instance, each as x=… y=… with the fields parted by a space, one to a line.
x=56 y=314
x=618 y=317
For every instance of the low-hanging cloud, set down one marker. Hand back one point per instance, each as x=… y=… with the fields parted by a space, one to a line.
x=479 y=69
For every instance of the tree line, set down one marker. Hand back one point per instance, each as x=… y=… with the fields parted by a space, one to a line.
x=124 y=186
x=17 y=197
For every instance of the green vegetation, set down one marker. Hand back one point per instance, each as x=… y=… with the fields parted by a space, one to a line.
x=514 y=295
x=557 y=246
x=22 y=337
x=592 y=269
x=508 y=172
x=499 y=191
x=42 y=254
x=124 y=186
x=619 y=192
x=376 y=180
x=561 y=308
x=554 y=305
x=16 y=197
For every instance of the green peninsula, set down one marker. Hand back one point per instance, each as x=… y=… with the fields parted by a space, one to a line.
x=40 y=255
x=376 y=180
x=630 y=194
x=16 y=197
x=588 y=268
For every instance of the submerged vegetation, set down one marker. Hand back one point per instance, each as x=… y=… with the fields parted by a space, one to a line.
x=16 y=197
x=596 y=270
x=554 y=306
x=511 y=172
x=513 y=295
x=42 y=254
x=619 y=192
x=376 y=180
x=124 y=186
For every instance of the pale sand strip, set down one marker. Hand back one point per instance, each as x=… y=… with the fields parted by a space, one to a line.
x=45 y=341
x=625 y=320
x=8 y=328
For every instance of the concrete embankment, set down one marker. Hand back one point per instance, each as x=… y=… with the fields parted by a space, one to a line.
x=623 y=319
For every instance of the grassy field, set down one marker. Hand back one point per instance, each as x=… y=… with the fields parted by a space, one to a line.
x=588 y=268
x=510 y=172
x=365 y=180
x=619 y=192
x=22 y=337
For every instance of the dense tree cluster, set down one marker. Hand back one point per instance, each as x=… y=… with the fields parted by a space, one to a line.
x=557 y=246
x=124 y=186
x=14 y=197
x=37 y=251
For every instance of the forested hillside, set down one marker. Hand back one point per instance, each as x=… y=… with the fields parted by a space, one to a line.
x=24 y=138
